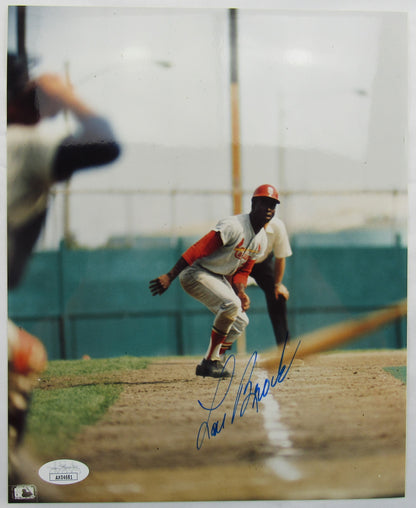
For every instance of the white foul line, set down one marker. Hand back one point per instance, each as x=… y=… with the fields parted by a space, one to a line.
x=278 y=436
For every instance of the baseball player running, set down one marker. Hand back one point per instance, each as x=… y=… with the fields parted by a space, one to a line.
x=215 y=270
x=268 y=272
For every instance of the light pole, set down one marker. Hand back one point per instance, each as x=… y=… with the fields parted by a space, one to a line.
x=235 y=115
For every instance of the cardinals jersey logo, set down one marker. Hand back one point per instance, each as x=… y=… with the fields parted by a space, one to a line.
x=241 y=252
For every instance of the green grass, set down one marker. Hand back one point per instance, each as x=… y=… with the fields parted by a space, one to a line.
x=398 y=372
x=95 y=366
x=57 y=415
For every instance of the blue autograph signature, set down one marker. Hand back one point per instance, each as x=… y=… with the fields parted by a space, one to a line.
x=247 y=392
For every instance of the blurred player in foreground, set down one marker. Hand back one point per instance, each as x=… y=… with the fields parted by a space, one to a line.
x=35 y=162
x=268 y=272
x=215 y=271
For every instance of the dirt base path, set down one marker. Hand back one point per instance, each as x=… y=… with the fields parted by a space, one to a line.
x=333 y=428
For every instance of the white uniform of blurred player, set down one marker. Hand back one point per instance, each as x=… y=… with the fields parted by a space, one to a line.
x=36 y=159
x=35 y=162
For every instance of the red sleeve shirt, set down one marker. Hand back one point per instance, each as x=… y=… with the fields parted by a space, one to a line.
x=241 y=275
x=209 y=244
x=203 y=247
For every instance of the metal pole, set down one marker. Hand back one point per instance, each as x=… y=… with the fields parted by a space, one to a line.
x=281 y=174
x=235 y=115
x=235 y=133
x=67 y=184
x=21 y=37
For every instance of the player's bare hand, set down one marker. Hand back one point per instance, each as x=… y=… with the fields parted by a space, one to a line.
x=160 y=285
x=281 y=289
x=53 y=85
x=54 y=94
x=245 y=300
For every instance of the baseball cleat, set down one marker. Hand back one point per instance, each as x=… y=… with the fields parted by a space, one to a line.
x=211 y=368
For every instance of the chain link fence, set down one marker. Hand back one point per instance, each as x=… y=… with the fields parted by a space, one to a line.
x=110 y=217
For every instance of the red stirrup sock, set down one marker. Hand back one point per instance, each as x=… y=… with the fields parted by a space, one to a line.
x=217 y=338
x=225 y=346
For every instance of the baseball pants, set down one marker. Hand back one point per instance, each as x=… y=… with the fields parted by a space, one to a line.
x=217 y=294
x=263 y=274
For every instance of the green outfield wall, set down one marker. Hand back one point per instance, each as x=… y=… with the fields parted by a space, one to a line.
x=97 y=302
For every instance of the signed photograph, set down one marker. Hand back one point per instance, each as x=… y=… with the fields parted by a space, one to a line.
x=206 y=271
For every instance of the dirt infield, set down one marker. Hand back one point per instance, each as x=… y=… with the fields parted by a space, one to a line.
x=333 y=428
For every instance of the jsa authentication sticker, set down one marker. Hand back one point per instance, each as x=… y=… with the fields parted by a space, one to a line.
x=63 y=472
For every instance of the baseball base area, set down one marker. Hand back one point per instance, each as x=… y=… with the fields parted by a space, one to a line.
x=330 y=426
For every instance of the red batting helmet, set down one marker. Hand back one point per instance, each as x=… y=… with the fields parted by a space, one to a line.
x=267 y=191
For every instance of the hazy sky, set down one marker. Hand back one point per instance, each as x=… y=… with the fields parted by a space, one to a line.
x=323 y=106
